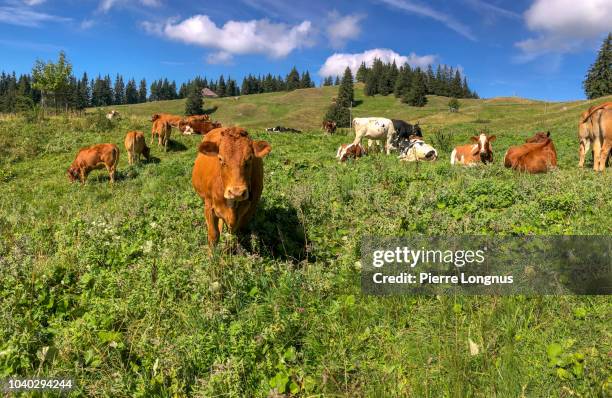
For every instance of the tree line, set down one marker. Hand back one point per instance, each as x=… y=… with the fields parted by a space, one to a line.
x=387 y=78
x=598 y=81
x=53 y=86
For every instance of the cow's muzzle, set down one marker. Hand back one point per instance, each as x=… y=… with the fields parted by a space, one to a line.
x=237 y=193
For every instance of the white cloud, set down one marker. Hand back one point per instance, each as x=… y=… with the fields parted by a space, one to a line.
x=342 y=29
x=276 y=40
x=337 y=63
x=87 y=24
x=429 y=12
x=220 y=58
x=22 y=16
x=490 y=9
x=33 y=2
x=106 y=5
x=564 y=26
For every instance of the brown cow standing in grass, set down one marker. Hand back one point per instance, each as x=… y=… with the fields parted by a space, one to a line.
x=472 y=154
x=537 y=155
x=162 y=130
x=604 y=131
x=329 y=126
x=228 y=176
x=587 y=132
x=135 y=145
x=92 y=158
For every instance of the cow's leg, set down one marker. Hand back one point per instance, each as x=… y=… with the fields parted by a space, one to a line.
x=388 y=144
x=130 y=158
x=596 y=154
x=111 y=173
x=212 y=222
x=603 y=157
x=166 y=143
x=83 y=175
x=585 y=143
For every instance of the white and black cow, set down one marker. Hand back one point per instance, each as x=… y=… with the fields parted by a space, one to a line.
x=415 y=149
x=374 y=129
x=405 y=130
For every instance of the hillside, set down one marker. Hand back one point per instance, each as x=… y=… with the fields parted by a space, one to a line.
x=113 y=284
x=304 y=109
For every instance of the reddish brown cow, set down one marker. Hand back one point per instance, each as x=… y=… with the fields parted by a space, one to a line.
x=174 y=120
x=329 y=126
x=472 y=154
x=537 y=155
x=197 y=126
x=162 y=129
x=92 y=158
x=350 y=151
x=135 y=145
x=228 y=176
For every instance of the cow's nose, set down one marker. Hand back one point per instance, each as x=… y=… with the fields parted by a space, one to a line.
x=430 y=154
x=238 y=193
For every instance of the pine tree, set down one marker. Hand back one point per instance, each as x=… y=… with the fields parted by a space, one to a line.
x=337 y=81
x=142 y=91
x=456 y=89
x=131 y=92
x=362 y=73
x=598 y=81
x=194 y=102
x=306 y=82
x=221 y=87
x=416 y=95
x=119 y=91
x=403 y=82
x=293 y=80
x=346 y=94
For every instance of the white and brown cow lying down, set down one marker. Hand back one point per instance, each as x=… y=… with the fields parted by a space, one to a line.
x=374 y=129
x=92 y=158
x=480 y=151
x=415 y=149
x=350 y=151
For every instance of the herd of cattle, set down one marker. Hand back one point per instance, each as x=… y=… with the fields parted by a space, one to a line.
x=228 y=170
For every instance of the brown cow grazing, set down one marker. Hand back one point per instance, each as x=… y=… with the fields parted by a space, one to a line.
x=174 y=120
x=135 y=145
x=538 y=155
x=228 y=176
x=162 y=129
x=472 y=154
x=92 y=158
x=588 y=127
x=197 y=126
x=350 y=151
x=199 y=118
x=329 y=126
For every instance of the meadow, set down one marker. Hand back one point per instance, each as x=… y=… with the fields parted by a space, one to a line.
x=113 y=285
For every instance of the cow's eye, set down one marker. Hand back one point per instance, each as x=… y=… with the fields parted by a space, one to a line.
x=221 y=160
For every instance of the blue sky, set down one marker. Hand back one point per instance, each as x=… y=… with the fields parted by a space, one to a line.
x=531 y=48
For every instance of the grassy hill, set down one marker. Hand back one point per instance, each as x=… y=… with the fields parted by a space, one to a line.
x=304 y=109
x=113 y=285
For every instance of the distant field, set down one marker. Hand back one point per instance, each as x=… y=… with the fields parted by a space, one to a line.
x=113 y=284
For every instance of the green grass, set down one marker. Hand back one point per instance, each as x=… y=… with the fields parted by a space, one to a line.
x=114 y=283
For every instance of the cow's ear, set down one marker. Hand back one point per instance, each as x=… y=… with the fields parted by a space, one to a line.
x=492 y=138
x=209 y=148
x=261 y=148
x=474 y=139
x=548 y=133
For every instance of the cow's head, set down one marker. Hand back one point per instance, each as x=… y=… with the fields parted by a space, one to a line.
x=73 y=174
x=146 y=152
x=417 y=149
x=416 y=130
x=184 y=127
x=235 y=152
x=483 y=147
x=539 y=137
x=155 y=116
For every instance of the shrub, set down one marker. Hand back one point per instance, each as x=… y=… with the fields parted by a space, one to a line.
x=442 y=141
x=98 y=122
x=338 y=114
x=453 y=105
